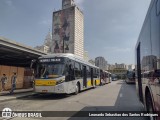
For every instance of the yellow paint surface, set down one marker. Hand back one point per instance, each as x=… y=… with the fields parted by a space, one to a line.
x=45 y=82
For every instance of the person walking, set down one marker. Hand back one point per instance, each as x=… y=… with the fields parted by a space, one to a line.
x=13 y=82
x=3 y=81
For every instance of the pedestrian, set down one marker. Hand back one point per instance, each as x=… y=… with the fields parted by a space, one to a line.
x=3 y=81
x=13 y=82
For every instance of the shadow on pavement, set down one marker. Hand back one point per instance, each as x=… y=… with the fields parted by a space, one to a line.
x=127 y=101
x=50 y=96
x=45 y=97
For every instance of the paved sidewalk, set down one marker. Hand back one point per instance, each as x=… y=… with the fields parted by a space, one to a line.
x=20 y=93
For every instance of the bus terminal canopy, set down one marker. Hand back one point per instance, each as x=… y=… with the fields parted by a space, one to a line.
x=15 y=54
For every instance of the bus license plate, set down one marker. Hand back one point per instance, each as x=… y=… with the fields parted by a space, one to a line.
x=44 y=91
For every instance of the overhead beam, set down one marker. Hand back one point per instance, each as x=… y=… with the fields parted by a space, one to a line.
x=14 y=45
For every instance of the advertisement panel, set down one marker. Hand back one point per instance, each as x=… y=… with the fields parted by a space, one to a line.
x=63 y=31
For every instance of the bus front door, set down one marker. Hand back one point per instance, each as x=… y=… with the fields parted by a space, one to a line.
x=92 y=76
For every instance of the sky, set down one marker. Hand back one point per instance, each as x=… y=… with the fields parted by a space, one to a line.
x=111 y=27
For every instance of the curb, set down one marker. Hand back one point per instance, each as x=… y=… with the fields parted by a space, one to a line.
x=24 y=96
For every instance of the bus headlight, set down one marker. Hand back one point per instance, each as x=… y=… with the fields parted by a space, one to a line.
x=60 y=81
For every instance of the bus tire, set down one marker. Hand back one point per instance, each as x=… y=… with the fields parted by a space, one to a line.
x=77 y=89
x=149 y=105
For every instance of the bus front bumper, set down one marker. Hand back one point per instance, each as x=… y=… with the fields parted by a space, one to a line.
x=58 y=89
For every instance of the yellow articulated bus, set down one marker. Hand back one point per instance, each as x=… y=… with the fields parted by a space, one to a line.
x=64 y=74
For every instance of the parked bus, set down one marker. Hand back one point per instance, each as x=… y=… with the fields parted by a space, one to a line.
x=130 y=77
x=104 y=77
x=148 y=60
x=114 y=77
x=64 y=73
x=110 y=77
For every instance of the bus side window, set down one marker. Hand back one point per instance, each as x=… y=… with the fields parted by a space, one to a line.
x=81 y=67
x=70 y=72
x=94 y=73
x=88 y=72
x=98 y=73
x=97 y=76
x=67 y=73
x=77 y=70
x=156 y=73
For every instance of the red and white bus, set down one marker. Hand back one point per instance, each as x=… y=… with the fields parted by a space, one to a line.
x=148 y=60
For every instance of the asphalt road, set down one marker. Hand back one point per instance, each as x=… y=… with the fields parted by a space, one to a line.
x=116 y=96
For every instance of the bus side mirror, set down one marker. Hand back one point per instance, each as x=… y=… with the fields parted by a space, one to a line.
x=32 y=62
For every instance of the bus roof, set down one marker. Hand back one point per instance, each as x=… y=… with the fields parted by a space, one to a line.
x=70 y=56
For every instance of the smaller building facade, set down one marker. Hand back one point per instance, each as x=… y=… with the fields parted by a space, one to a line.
x=119 y=70
x=123 y=66
x=43 y=48
x=131 y=67
x=24 y=75
x=100 y=62
x=92 y=62
x=47 y=44
x=86 y=56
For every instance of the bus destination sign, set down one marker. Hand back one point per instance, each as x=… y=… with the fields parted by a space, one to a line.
x=50 y=60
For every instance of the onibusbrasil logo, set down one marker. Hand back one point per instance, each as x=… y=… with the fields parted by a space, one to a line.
x=8 y=113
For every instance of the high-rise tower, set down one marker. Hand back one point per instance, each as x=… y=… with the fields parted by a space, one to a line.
x=67 y=3
x=68 y=29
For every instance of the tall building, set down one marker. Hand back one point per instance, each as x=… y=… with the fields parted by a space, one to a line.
x=100 y=62
x=67 y=3
x=68 y=29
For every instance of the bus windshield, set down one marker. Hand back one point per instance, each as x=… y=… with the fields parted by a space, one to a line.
x=130 y=74
x=50 y=70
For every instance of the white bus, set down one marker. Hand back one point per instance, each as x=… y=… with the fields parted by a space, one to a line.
x=110 y=77
x=64 y=73
x=105 y=77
